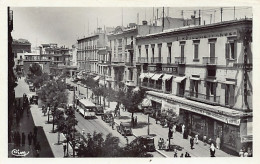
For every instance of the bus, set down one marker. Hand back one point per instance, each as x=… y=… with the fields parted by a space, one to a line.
x=86 y=108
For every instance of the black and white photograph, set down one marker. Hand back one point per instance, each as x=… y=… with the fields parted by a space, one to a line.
x=153 y=82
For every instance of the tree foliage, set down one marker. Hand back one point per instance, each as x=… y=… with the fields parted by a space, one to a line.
x=97 y=146
x=54 y=93
x=35 y=70
x=39 y=81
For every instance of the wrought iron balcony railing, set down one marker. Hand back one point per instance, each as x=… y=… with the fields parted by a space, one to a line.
x=211 y=99
x=180 y=60
x=210 y=60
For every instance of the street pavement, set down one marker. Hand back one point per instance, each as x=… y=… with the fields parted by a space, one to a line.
x=159 y=132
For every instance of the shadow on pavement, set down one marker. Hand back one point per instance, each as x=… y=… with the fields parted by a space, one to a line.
x=45 y=146
x=124 y=117
x=141 y=125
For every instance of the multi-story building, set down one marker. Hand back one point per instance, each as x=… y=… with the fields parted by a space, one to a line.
x=122 y=56
x=60 y=58
x=204 y=74
x=87 y=53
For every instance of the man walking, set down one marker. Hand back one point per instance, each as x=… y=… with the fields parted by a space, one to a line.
x=191 y=142
x=23 y=139
x=64 y=148
x=218 y=142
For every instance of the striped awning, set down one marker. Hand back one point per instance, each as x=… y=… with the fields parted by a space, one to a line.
x=194 y=78
x=179 y=79
x=156 y=76
x=166 y=77
x=96 y=78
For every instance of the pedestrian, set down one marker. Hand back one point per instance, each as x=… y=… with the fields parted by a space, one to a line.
x=181 y=155
x=191 y=142
x=34 y=139
x=218 y=142
x=135 y=120
x=241 y=153
x=249 y=150
x=174 y=128
x=246 y=154
x=38 y=149
x=186 y=154
x=23 y=139
x=30 y=138
x=197 y=138
x=64 y=148
x=183 y=128
x=18 y=139
x=159 y=143
x=35 y=130
x=212 y=150
x=205 y=140
x=175 y=155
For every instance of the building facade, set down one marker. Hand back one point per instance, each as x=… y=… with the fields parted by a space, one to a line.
x=204 y=74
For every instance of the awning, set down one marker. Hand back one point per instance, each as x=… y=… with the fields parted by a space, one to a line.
x=146 y=102
x=166 y=77
x=179 y=79
x=143 y=75
x=194 y=78
x=156 y=76
x=149 y=75
x=96 y=78
x=102 y=82
x=229 y=82
x=211 y=80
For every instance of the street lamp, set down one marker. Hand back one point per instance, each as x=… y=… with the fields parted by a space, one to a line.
x=148 y=128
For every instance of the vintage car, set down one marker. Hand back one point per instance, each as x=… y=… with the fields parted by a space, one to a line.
x=125 y=129
x=31 y=88
x=33 y=99
x=107 y=117
x=99 y=110
x=148 y=142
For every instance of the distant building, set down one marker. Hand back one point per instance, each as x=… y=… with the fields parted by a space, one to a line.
x=20 y=46
x=170 y=22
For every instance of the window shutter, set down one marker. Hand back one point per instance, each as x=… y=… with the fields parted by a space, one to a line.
x=227 y=50
x=232 y=95
x=235 y=50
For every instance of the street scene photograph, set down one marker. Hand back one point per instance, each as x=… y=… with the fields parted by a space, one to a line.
x=130 y=82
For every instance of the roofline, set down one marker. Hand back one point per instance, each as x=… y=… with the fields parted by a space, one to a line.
x=88 y=37
x=200 y=27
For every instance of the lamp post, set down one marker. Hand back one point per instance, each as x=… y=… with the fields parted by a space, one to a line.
x=148 y=127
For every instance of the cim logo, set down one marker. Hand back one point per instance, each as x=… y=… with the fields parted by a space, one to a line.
x=18 y=153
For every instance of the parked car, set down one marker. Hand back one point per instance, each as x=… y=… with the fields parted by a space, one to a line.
x=31 y=88
x=148 y=142
x=99 y=110
x=125 y=129
x=107 y=117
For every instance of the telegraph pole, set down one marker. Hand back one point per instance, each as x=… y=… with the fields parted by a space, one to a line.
x=163 y=19
x=234 y=12
x=199 y=17
x=221 y=11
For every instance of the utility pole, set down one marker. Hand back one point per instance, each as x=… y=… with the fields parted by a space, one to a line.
x=234 y=12
x=199 y=17
x=122 y=17
x=163 y=20
x=157 y=13
x=214 y=15
x=153 y=14
x=210 y=18
x=221 y=11
x=182 y=14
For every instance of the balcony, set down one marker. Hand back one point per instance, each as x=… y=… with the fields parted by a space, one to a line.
x=129 y=64
x=129 y=47
x=118 y=60
x=210 y=60
x=180 y=60
x=152 y=86
x=209 y=99
x=142 y=60
x=169 y=60
x=156 y=60
x=130 y=83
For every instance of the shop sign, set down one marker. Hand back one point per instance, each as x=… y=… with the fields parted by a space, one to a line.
x=154 y=98
x=216 y=116
x=248 y=138
x=168 y=106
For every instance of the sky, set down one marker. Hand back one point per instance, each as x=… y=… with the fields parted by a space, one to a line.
x=64 y=25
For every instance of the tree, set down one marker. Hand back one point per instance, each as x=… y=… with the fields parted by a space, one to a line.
x=35 y=69
x=54 y=94
x=40 y=80
x=131 y=100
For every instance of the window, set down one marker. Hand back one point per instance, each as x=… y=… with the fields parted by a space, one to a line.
x=146 y=50
x=21 y=57
x=160 y=52
x=182 y=51
x=169 y=54
x=229 y=94
x=231 y=50
x=212 y=50
x=194 y=85
x=139 y=48
x=152 y=55
x=196 y=51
